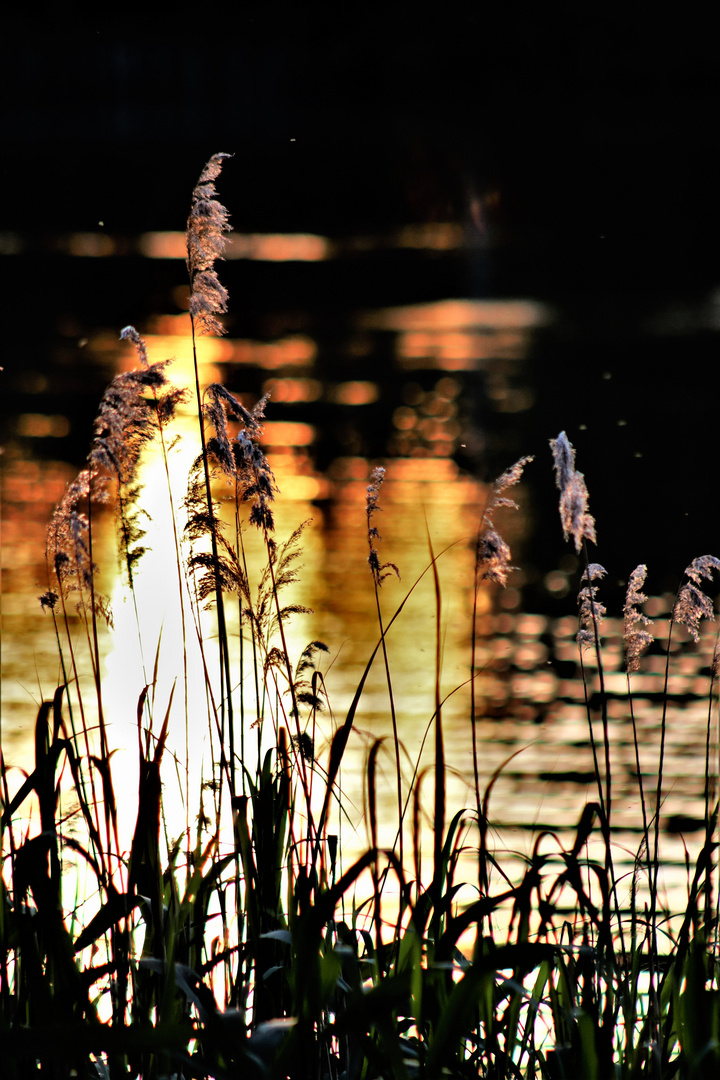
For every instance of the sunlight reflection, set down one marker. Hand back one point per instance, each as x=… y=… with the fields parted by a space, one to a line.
x=40 y=426
x=292 y=391
x=355 y=393
x=526 y=697
x=491 y=315
x=287 y=433
x=260 y=247
x=263 y=247
x=169 y=334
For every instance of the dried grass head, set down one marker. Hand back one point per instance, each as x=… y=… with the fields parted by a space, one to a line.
x=380 y=571
x=692 y=605
x=206 y=236
x=592 y=612
x=492 y=554
x=574 y=517
x=242 y=458
x=67 y=547
x=636 y=639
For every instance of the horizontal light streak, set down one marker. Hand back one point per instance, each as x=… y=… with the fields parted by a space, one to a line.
x=259 y=247
x=355 y=393
x=456 y=350
x=40 y=426
x=295 y=350
x=287 y=433
x=490 y=315
x=293 y=391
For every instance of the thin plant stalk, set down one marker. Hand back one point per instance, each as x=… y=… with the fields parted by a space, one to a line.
x=439 y=802
x=379 y=573
x=223 y=649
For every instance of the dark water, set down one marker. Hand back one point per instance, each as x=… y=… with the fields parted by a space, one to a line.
x=372 y=353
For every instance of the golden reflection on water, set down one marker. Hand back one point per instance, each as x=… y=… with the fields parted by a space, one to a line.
x=260 y=247
x=428 y=508
x=30 y=490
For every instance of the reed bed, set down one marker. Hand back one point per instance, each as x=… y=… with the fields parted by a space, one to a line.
x=227 y=933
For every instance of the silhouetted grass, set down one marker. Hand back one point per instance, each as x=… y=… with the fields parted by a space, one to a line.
x=236 y=942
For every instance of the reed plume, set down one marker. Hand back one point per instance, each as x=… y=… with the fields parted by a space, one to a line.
x=134 y=407
x=574 y=517
x=67 y=550
x=379 y=571
x=492 y=552
x=692 y=604
x=127 y=419
x=207 y=229
x=591 y=612
x=636 y=639
x=243 y=461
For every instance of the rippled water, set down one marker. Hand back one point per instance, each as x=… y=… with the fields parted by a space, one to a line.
x=411 y=385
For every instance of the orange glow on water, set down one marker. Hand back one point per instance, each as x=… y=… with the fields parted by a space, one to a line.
x=293 y=391
x=491 y=315
x=433 y=236
x=424 y=491
x=356 y=393
x=287 y=433
x=262 y=247
x=40 y=426
x=296 y=350
x=456 y=350
x=459 y=335
x=93 y=245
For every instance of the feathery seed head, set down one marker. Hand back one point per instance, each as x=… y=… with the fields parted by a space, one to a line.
x=492 y=554
x=508 y=479
x=305 y=746
x=692 y=605
x=592 y=612
x=574 y=516
x=126 y=419
x=636 y=639
x=702 y=567
x=593 y=572
x=67 y=548
x=206 y=236
x=563 y=458
x=377 y=569
x=242 y=459
x=373 y=490
x=129 y=333
x=48 y=600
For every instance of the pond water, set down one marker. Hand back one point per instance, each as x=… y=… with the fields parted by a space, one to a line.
x=439 y=389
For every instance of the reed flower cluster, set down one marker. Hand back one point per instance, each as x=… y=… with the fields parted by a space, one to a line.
x=591 y=612
x=492 y=552
x=637 y=640
x=207 y=228
x=575 y=519
x=372 y=506
x=692 y=604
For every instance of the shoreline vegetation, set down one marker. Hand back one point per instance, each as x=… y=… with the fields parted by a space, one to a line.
x=225 y=932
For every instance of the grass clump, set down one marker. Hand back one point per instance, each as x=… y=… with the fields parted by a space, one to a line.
x=232 y=937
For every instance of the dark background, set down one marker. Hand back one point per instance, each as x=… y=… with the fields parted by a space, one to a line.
x=577 y=145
